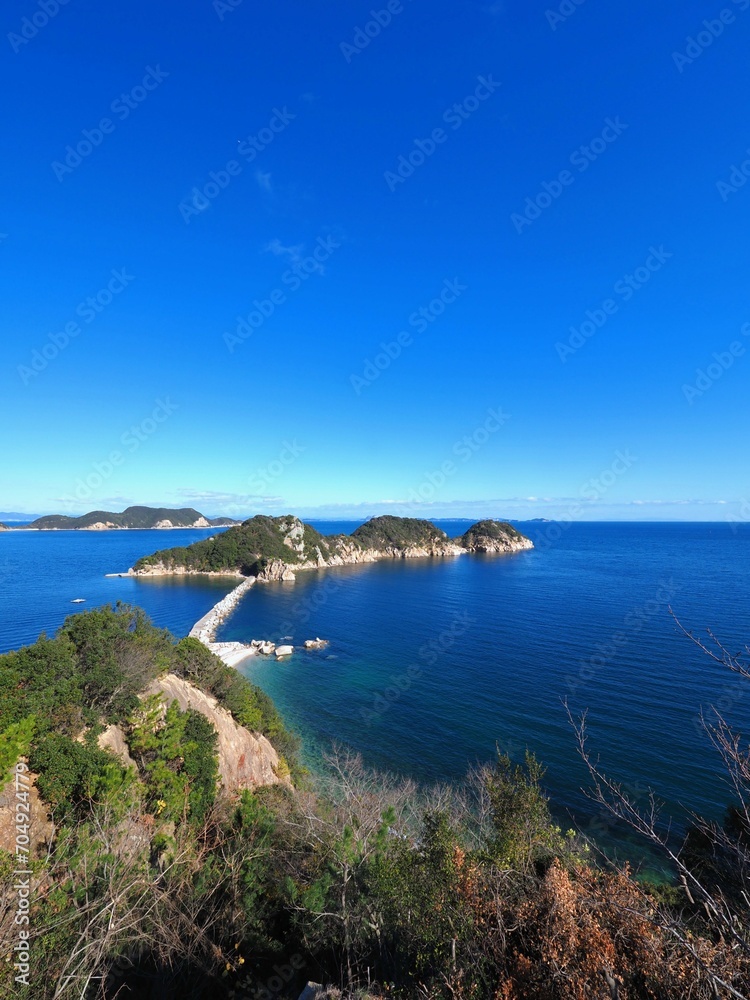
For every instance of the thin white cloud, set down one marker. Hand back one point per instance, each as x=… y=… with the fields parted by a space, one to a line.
x=277 y=248
x=294 y=255
x=237 y=499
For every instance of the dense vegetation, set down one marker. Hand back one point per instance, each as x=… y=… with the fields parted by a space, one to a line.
x=245 y=549
x=153 y=884
x=493 y=530
x=397 y=532
x=92 y=672
x=248 y=548
x=132 y=517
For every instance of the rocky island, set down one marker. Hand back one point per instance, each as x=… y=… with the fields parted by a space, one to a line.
x=134 y=518
x=267 y=548
x=275 y=548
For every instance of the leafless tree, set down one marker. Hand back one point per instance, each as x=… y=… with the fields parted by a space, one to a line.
x=721 y=906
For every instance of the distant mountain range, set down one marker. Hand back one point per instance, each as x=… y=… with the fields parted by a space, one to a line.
x=131 y=518
x=13 y=515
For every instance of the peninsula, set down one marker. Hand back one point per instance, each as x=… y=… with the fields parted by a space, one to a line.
x=275 y=548
x=134 y=518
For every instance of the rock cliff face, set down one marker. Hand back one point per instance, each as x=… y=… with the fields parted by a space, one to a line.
x=113 y=739
x=41 y=827
x=276 y=548
x=382 y=538
x=164 y=569
x=246 y=760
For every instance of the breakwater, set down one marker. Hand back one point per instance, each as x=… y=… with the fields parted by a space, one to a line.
x=205 y=628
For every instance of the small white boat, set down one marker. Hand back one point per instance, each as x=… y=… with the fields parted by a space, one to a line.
x=78 y=600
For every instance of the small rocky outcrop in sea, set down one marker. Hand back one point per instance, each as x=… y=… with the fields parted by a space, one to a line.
x=276 y=571
x=494 y=536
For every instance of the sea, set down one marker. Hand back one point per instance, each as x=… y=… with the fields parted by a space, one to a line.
x=432 y=667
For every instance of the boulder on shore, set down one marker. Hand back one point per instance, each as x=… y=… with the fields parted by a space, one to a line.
x=266 y=648
x=284 y=651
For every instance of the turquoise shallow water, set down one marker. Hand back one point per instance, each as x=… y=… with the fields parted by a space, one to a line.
x=431 y=663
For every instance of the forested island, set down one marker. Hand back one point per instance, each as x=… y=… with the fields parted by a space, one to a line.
x=275 y=547
x=134 y=518
x=171 y=845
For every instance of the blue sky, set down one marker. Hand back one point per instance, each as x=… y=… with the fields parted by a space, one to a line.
x=256 y=196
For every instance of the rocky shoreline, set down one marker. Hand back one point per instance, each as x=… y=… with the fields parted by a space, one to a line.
x=179 y=571
x=275 y=549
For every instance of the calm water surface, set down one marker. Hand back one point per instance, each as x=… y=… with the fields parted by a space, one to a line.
x=42 y=571
x=433 y=663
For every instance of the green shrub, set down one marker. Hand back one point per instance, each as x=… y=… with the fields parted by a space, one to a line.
x=68 y=770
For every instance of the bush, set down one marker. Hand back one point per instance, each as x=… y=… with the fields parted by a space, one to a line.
x=68 y=770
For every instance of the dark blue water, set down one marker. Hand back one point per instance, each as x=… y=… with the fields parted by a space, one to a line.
x=42 y=571
x=433 y=663
x=584 y=619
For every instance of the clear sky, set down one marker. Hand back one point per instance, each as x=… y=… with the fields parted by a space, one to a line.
x=215 y=215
